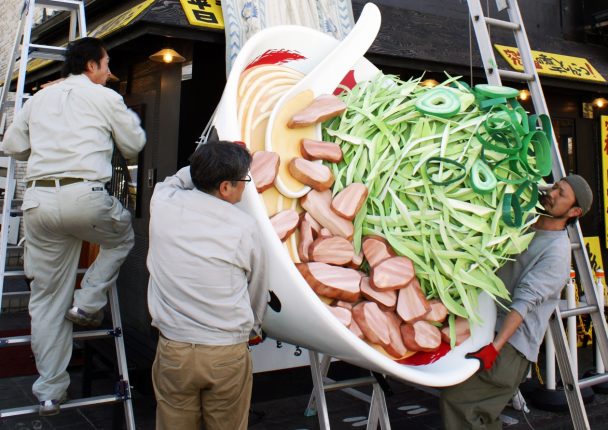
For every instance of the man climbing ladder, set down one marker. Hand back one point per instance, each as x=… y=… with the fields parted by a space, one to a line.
x=66 y=132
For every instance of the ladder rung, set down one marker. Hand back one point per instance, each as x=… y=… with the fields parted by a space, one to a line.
x=575 y=246
x=502 y=24
x=59 y=4
x=518 y=76
x=582 y=310
x=16 y=293
x=21 y=273
x=592 y=380
x=47 y=52
x=78 y=335
x=87 y=401
x=350 y=383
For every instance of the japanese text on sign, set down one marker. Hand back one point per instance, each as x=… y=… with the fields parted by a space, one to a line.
x=604 y=143
x=553 y=64
x=204 y=13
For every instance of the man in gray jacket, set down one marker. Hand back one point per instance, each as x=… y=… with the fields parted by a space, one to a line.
x=208 y=291
x=67 y=133
x=535 y=280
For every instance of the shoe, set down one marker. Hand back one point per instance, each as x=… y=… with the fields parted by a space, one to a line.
x=82 y=318
x=51 y=407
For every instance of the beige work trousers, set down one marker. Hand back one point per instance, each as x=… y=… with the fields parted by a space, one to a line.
x=193 y=381
x=57 y=220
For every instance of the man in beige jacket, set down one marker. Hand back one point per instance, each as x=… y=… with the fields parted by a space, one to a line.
x=67 y=132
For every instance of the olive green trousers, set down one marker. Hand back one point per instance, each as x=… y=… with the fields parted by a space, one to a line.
x=478 y=402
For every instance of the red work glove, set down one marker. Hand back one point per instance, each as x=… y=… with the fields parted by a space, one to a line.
x=256 y=339
x=486 y=355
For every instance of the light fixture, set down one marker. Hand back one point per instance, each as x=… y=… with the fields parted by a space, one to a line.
x=429 y=83
x=600 y=102
x=524 y=95
x=167 y=55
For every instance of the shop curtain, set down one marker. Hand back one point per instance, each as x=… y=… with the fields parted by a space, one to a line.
x=244 y=18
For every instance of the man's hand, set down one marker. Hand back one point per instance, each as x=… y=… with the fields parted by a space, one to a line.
x=256 y=339
x=486 y=355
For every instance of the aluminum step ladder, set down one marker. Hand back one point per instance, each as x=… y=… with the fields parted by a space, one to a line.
x=23 y=52
x=317 y=405
x=572 y=385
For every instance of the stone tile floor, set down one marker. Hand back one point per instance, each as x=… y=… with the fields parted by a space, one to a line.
x=408 y=408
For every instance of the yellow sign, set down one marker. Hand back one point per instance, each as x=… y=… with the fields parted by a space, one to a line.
x=548 y=64
x=204 y=13
x=604 y=143
x=120 y=20
x=592 y=244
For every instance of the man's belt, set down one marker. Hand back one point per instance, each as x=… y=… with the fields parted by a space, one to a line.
x=53 y=182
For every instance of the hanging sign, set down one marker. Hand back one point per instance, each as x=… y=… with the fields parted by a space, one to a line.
x=120 y=20
x=204 y=13
x=562 y=66
x=604 y=143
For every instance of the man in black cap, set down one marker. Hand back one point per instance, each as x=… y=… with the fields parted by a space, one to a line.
x=535 y=280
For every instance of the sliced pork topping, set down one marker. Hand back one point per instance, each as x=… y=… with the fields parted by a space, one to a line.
x=461 y=328
x=387 y=300
x=317 y=205
x=331 y=281
x=373 y=322
x=396 y=347
x=421 y=336
x=342 y=314
x=264 y=169
x=376 y=249
x=318 y=150
x=411 y=303
x=313 y=174
x=438 y=311
x=285 y=223
x=332 y=250
x=348 y=202
x=392 y=274
x=321 y=109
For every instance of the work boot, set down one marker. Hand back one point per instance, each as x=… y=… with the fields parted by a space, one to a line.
x=51 y=407
x=82 y=318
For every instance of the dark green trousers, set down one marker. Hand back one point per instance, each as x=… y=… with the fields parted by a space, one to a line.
x=478 y=402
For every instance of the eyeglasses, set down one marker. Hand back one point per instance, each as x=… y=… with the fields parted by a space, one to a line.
x=247 y=179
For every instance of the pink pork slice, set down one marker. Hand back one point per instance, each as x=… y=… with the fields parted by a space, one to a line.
x=373 y=322
x=317 y=205
x=264 y=169
x=315 y=175
x=348 y=202
x=386 y=299
x=342 y=314
x=396 y=347
x=438 y=312
x=306 y=238
x=354 y=327
x=421 y=336
x=376 y=249
x=392 y=274
x=332 y=281
x=318 y=150
x=461 y=328
x=332 y=250
x=321 y=109
x=285 y=223
x=411 y=303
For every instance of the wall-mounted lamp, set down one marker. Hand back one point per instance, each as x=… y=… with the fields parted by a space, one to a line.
x=524 y=95
x=600 y=103
x=167 y=55
x=430 y=83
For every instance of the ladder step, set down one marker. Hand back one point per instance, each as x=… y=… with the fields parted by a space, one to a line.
x=502 y=24
x=78 y=335
x=575 y=246
x=21 y=273
x=581 y=310
x=593 y=380
x=350 y=383
x=47 y=52
x=518 y=76
x=71 y=404
x=59 y=4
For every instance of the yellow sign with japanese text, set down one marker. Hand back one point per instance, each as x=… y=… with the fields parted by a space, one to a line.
x=121 y=20
x=204 y=13
x=604 y=143
x=548 y=64
x=592 y=244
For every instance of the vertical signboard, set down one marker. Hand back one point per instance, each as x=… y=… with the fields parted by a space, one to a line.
x=604 y=143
